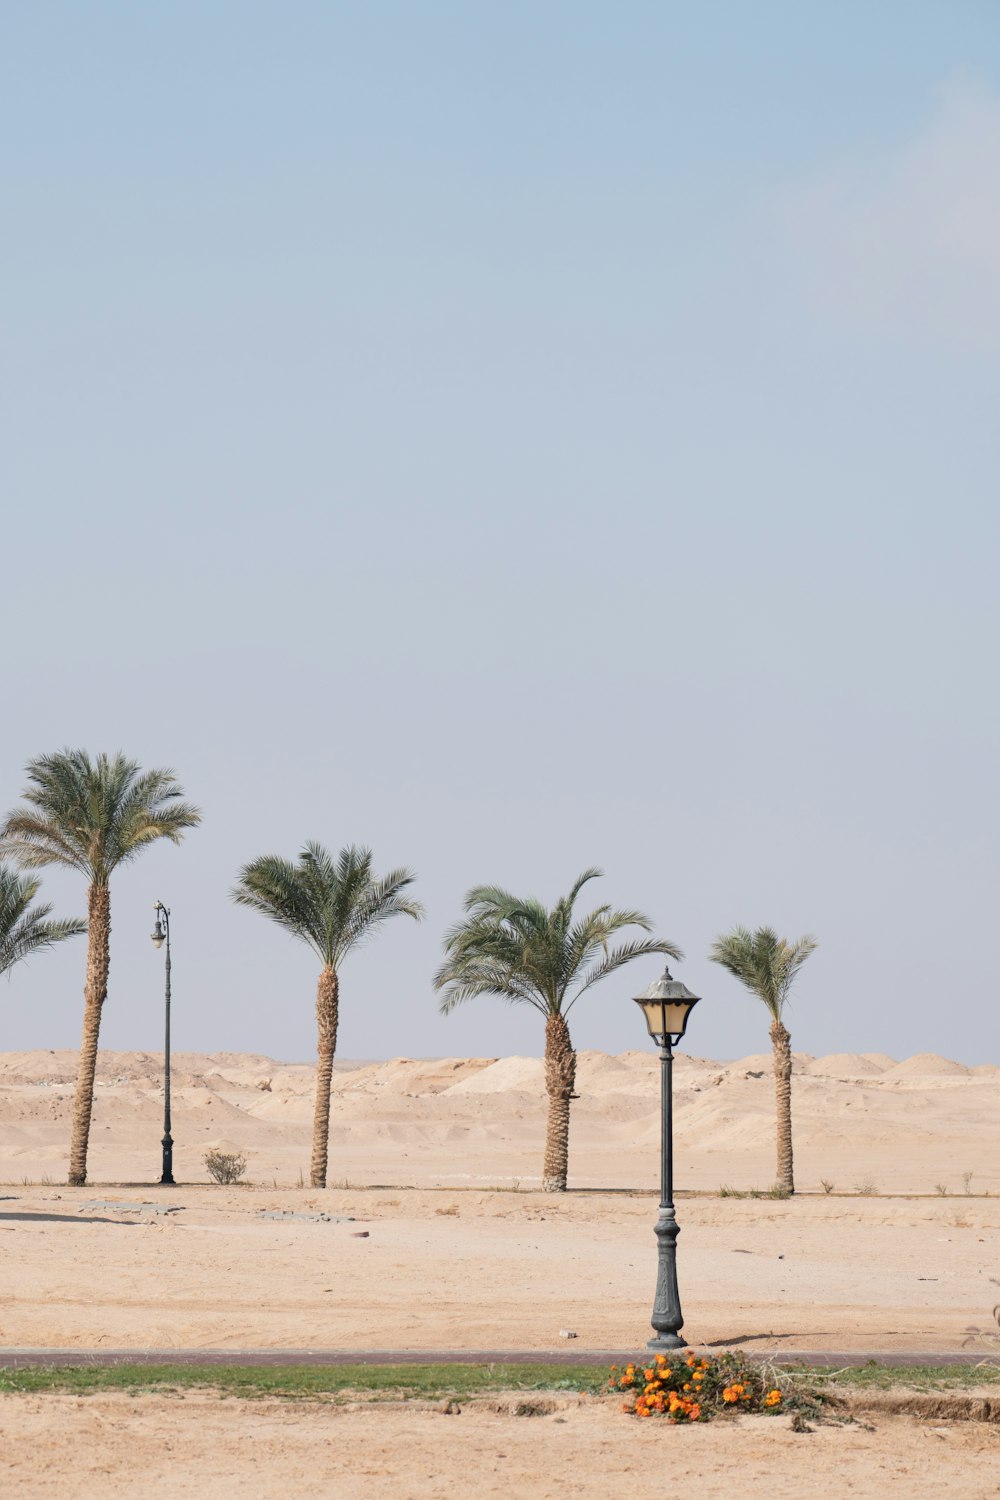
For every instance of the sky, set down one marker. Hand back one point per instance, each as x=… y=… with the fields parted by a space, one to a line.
x=516 y=438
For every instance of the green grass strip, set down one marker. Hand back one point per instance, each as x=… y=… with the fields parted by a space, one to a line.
x=392 y=1381
x=439 y=1382
x=873 y=1376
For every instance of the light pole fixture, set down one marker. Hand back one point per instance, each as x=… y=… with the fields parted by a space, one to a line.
x=160 y=935
x=666 y=1005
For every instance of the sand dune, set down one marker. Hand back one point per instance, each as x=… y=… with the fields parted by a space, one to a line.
x=907 y=1125
x=426 y=1152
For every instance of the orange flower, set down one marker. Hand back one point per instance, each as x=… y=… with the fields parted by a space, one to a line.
x=772 y=1398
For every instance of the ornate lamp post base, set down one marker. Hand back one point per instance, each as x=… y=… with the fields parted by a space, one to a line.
x=167 y=1180
x=666 y=1319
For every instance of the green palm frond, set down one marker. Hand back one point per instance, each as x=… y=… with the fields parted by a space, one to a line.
x=581 y=880
x=518 y=949
x=625 y=954
x=275 y=888
x=333 y=904
x=24 y=927
x=487 y=978
x=763 y=963
x=92 y=815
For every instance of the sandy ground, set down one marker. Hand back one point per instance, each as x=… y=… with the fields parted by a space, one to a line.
x=470 y=1266
x=447 y=1254
x=860 y=1119
x=486 y=1270
x=196 y=1444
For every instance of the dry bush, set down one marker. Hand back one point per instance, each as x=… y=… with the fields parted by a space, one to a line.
x=225 y=1167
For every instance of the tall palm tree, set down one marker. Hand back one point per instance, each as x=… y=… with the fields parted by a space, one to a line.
x=92 y=815
x=333 y=905
x=767 y=966
x=24 y=928
x=526 y=954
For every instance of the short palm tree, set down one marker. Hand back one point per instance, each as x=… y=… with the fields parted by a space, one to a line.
x=24 y=927
x=92 y=815
x=767 y=966
x=526 y=954
x=333 y=905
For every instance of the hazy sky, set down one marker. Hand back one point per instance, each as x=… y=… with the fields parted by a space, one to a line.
x=515 y=436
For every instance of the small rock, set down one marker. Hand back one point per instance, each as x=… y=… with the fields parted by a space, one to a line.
x=360 y=1234
x=564 y=1333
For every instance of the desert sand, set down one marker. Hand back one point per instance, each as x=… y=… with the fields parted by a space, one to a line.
x=427 y=1244
x=435 y=1238
x=168 y=1448
x=901 y=1127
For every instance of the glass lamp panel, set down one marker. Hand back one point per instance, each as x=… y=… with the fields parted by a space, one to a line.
x=653 y=1011
x=675 y=1015
x=667 y=1017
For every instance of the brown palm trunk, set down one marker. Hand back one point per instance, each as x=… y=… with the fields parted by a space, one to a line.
x=327 y=998
x=781 y=1042
x=560 y=1076
x=94 y=995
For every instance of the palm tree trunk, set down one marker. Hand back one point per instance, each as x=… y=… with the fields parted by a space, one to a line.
x=327 y=1008
x=560 y=1077
x=781 y=1042
x=94 y=995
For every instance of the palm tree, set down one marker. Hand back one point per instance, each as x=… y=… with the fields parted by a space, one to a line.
x=333 y=905
x=24 y=929
x=92 y=816
x=528 y=955
x=767 y=966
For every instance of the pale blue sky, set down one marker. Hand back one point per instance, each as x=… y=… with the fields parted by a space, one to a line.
x=517 y=437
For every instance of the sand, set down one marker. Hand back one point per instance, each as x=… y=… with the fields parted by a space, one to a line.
x=193 y=1444
x=453 y=1244
x=438 y=1239
x=428 y=1270
x=901 y=1126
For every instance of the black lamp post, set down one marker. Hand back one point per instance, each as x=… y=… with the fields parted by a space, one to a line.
x=666 y=1006
x=160 y=935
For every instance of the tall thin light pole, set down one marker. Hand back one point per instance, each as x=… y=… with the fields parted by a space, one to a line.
x=161 y=934
x=666 y=1005
x=667 y=1318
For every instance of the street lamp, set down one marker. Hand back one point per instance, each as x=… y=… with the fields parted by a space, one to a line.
x=160 y=935
x=666 y=1005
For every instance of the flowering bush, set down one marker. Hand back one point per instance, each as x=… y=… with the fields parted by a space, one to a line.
x=687 y=1387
